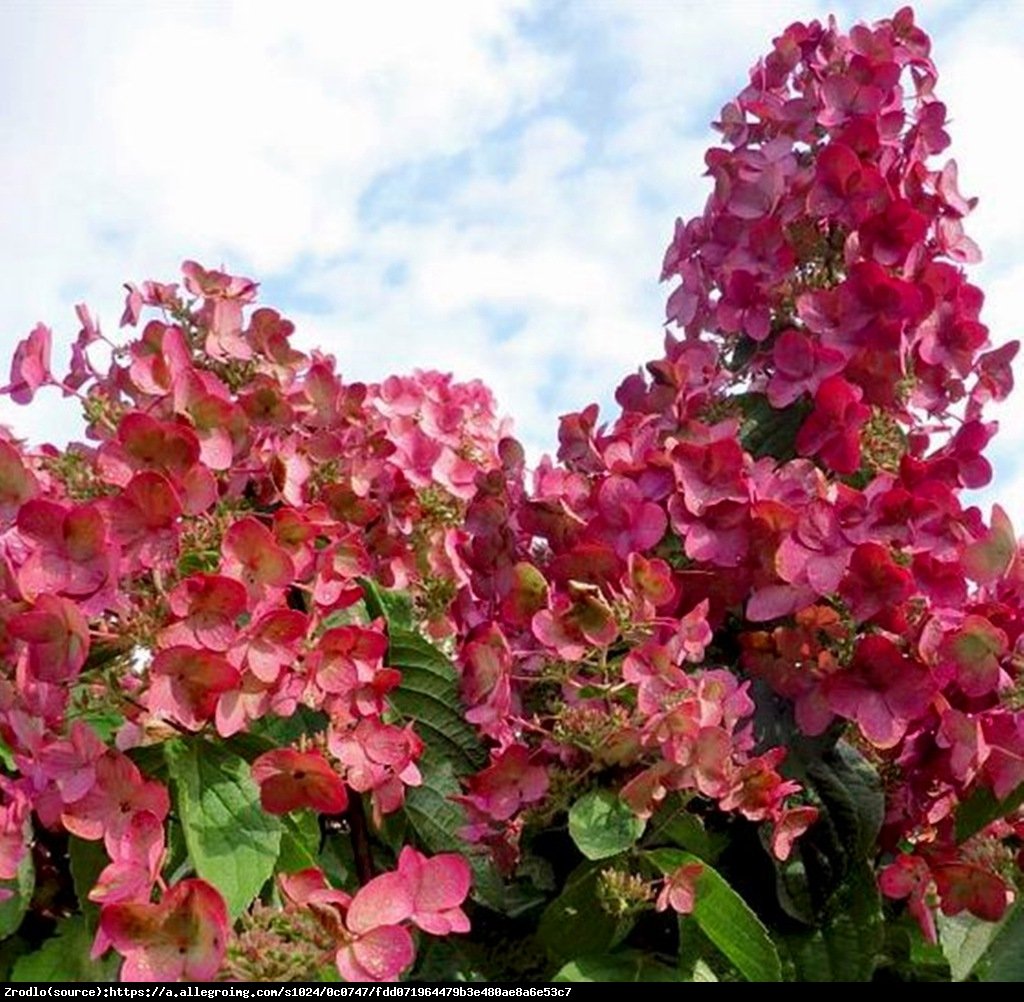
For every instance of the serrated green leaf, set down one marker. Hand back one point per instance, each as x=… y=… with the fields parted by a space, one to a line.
x=429 y=695
x=847 y=944
x=851 y=792
x=627 y=966
x=12 y=909
x=965 y=940
x=602 y=824
x=726 y=919
x=232 y=842
x=436 y=821
x=65 y=957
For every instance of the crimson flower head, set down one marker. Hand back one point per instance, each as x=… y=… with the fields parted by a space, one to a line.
x=182 y=938
x=832 y=431
x=290 y=780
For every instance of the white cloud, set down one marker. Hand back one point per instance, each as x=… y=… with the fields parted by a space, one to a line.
x=482 y=187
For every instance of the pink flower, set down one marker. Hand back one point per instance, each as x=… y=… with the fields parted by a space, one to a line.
x=71 y=552
x=15 y=829
x=910 y=877
x=679 y=891
x=118 y=793
x=874 y=581
x=290 y=780
x=349 y=662
x=625 y=519
x=182 y=938
x=136 y=859
x=17 y=484
x=57 y=636
x=801 y=365
x=254 y=557
x=882 y=691
x=710 y=473
x=144 y=519
x=507 y=784
x=186 y=682
x=379 y=759
x=30 y=367
x=209 y=607
x=832 y=431
x=972 y=888
x=373 y=945
x=438 y=885
x=274 y=641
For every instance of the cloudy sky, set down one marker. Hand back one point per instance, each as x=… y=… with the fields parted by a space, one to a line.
x=482 y=187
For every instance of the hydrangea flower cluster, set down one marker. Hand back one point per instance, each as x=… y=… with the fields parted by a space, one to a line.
x=193 y=570
x=779 y=496
x=766 y=545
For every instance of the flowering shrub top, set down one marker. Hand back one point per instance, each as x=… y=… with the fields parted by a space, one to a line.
x=748 y=627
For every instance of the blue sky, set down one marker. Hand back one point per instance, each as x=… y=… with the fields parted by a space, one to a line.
x=482 y=187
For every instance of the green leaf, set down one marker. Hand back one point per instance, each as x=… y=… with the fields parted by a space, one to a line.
x=65 y=957
x=436 y=821
x=1004 y=959
x=12 y=909
x=602 y=824
x=575 y=924
x=673 y=822
x=767 y=431
x=394 y=606
x=726 y=919
x=279 y=732
x=300 y=842
x=88 y=860
x=7 y=757
x=981 y=808
x=629 y=965
x=851 y=792
x=847 y=944
x=232 y=841
x=965 y=940
x=701 y=972
x=429 y=695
